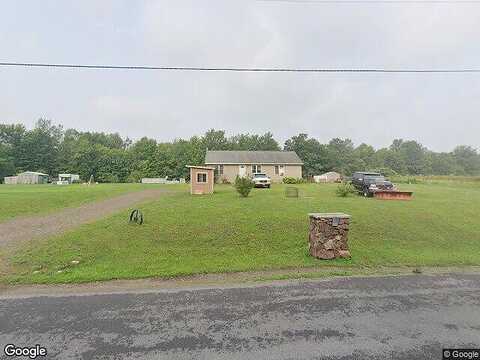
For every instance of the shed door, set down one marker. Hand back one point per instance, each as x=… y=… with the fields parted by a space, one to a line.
x=242 y=170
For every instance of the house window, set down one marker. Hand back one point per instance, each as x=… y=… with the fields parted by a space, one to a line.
x=256 y=169
x=276 y=170
x=220 y=169
x=282 y=170
x=201 y=177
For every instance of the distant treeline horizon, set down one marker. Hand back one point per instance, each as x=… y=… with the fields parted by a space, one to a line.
x=109 y=157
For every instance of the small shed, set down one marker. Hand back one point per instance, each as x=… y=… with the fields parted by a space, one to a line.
x=10 y=180
x=201 y=179
x=27 y=177
x=328 y=177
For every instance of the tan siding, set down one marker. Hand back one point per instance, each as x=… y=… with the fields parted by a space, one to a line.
x=201 y=188
x=293 y=171
x=230 y=172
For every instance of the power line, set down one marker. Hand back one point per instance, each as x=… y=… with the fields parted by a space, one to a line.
x=359 y=2
x=236 y=69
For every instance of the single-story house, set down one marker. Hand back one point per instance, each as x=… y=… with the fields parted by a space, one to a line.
x=275 y=164
x=328 y=177
x=27 y=177
x=201 y=179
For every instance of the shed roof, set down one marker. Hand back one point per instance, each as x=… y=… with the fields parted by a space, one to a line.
x=252 y=157
x=33 y=173
x=334 y=173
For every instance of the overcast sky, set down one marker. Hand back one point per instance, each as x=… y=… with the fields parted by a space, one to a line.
x=439 y=110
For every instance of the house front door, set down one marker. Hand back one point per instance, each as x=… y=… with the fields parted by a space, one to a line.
x=242 y=170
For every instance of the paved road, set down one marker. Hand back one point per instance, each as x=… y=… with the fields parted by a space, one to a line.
x=408 y=317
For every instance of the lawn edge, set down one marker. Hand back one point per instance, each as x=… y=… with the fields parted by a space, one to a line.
x=220 y=280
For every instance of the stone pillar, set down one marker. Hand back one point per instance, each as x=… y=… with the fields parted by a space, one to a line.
x=328 y=235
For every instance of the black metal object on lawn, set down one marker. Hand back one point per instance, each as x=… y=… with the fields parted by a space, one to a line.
x=136 y=216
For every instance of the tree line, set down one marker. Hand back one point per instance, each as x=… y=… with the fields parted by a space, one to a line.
x=51 y=149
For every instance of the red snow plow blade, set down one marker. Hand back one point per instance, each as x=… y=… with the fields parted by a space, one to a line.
x=392 y=195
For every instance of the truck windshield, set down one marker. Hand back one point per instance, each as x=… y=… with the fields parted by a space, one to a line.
x=374 y=179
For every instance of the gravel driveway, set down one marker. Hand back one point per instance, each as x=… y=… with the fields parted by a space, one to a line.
x=19 y=230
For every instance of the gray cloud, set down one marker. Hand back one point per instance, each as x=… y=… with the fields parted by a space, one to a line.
x=439 y=110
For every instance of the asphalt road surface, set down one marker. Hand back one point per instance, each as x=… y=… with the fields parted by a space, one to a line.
x=407 y=317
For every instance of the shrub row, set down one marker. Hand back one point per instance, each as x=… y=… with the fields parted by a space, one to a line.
x=292 y=180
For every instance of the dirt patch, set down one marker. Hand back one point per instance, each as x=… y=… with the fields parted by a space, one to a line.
x=20 y=230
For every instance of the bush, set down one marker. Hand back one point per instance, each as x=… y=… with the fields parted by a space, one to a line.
x=243 y=185
x=345 y=189
x=135 y=176
x=292 y=180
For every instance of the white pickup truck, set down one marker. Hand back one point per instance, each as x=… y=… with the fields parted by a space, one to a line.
x=261 y=180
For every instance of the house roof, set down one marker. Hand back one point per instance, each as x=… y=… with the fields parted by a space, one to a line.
x=252 y=157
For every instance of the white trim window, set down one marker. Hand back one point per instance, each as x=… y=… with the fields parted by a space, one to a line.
x=201 y=178
x=219 y=169
x=256 y=169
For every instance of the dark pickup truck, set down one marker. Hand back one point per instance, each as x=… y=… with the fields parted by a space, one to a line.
x=369 y=182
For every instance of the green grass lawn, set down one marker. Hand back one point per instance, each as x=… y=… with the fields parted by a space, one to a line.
x=20 y=200
x=186 y=234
